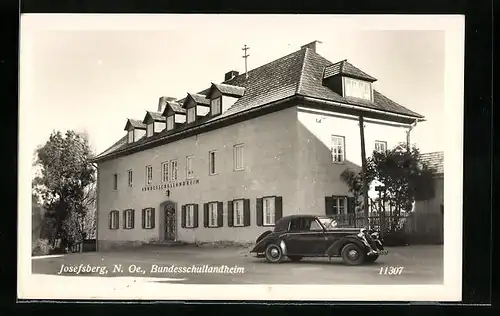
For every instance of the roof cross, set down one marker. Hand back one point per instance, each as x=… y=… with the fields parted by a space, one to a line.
x=245 y=48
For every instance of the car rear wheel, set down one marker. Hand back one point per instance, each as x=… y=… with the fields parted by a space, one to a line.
x=353 y=255
x=295 y=258
x=274 y=254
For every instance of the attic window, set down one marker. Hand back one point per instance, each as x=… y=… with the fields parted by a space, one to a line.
x=216 y=106
x=357 y=88
x=131 y=136
x=191 y=113
x=170 y=122
x=150 y=129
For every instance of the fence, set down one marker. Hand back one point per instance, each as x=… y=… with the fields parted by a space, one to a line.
x=86 y=246
x=380 y=221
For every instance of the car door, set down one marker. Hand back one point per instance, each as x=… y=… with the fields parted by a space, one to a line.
x=317 y=241
x=305 y=237
x=294 y=239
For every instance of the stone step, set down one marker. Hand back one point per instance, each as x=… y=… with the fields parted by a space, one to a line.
x=165 y=243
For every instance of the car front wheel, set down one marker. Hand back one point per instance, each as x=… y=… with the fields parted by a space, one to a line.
x=274 y=254
x=353 y=255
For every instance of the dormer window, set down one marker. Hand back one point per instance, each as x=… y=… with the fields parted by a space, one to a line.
x=223 y=96
x=135 y=130
x=191 y=114
x=215 y=105
x=348 y=80
x=170 y=122
x=357 y=88
x=155 y=123
x=150 y=129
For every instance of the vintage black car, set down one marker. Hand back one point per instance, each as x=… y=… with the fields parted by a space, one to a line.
x=299 y=236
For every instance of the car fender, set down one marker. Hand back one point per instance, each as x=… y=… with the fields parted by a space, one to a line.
x=336 y=247
x=263 y=240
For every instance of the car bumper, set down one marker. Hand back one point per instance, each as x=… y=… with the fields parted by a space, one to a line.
x=379 y=252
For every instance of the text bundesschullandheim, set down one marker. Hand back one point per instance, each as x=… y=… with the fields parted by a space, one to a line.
x=197 y=269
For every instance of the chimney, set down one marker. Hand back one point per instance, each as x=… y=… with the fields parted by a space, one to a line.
x=230 y=75
x=311 y=46
x=162 y=103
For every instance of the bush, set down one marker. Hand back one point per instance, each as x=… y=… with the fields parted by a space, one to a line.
x=396 y=238
x=42 y=247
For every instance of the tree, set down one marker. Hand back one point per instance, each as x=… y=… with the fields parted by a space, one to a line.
x=356 y=185
x=66 y=175
x=403 y=176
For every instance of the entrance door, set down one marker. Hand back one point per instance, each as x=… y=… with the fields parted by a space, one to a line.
x=170 y=222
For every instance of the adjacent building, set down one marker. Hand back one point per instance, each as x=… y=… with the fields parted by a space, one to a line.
x=223 y=164
x=426 y=221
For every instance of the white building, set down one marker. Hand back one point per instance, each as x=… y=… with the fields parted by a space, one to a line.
x=224 y=163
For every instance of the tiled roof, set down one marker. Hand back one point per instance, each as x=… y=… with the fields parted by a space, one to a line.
x=434 y=160
x=297 y=74
x=176 y=107
x=156 y=116
x=199 y=98
x=135 y=124
x=312 y=86
x=345 y=68
x=230 y=90
x=119 y=144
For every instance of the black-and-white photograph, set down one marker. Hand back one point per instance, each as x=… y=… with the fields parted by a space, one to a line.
x=245 y=157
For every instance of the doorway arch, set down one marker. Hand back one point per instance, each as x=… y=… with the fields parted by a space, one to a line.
x=169 y=211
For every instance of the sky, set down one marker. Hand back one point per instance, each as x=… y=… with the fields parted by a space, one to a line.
x=90 y=73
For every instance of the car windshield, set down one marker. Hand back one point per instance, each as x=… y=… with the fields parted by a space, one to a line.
x=328 y=223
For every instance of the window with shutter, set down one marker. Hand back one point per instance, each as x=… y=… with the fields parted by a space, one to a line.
x=128 y=219
x=148 y=218
x=189 y=216
x=212 y=211
x=336 y=205
x=114 y=220
x=238 y=213
x=268 y=211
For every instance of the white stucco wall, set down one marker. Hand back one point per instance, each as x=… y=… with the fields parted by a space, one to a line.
x=286 y=153
x=319 y=176
x=270 y=167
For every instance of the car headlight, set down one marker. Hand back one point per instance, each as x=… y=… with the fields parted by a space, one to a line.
x=362 y=232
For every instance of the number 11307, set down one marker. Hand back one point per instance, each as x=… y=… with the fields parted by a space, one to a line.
x=391 y=270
